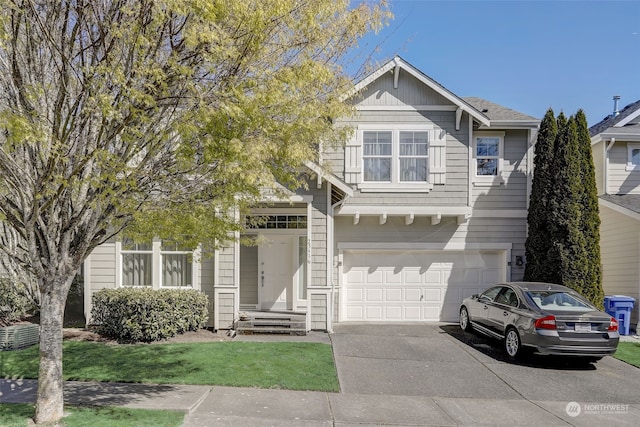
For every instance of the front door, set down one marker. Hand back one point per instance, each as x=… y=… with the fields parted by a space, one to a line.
x=275 y=269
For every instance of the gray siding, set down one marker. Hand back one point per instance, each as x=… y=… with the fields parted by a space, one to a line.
x=622 y=181
x=207 y=274
x=512 y=194
x=226 y=265
x=101 y=273
x=453 y=193
x=620 y=246
x=319 y=312
x=318 y=226
x=226 y=311
x=410 y=91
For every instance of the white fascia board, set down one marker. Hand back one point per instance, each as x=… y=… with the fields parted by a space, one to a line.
x=334 y=180
x=376 y=210
x=450 y=96
x=626 y=137
x=628 y=119
x=620 y=209
x=423 y=246
x=515 y=124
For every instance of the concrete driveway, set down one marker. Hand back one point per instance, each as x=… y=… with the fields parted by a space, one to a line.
x=442 y=361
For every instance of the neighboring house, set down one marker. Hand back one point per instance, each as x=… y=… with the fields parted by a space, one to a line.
x=426 y=205
x=615 y=142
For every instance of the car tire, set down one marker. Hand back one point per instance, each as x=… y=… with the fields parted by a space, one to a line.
x=465 y=323
x=512 y=343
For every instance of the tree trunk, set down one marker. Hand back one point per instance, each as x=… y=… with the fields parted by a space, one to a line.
x=49 y=404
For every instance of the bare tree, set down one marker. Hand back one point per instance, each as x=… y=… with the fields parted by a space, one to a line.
x=156 y=116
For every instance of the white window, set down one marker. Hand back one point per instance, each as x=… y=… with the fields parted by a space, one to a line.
x=157 y=264
x=488 y=156
x=137 y=264
x=396 y=158
x=633 y=157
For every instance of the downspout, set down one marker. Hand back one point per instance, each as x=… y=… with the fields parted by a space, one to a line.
x=470 y=167
x=607 y=148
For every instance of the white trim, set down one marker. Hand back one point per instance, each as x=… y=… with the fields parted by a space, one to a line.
x=408 y=107
x=424 y=79
x=377 y=210
x=628 y=119
x=619 y=209
x=630 y=167
x=344 y=187
x=279 y=211
x=423 y=246
x=87 y=289
x=487 y=180
x=404 y=187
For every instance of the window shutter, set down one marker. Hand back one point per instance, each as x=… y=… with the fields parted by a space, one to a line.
x=353 y=160
x=437 y=156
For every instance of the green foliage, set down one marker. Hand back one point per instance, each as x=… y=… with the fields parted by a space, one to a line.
x=563 y=242
x=19 y=415
x=282 y=365
x=538 y=241
x=15 y=302
x=143 y=314
x=629 y=352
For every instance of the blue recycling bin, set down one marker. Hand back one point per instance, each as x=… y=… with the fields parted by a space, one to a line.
x=619 y=307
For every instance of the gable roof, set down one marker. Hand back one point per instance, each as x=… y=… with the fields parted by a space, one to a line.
x=484 y=112
x=628 y=204
x=398 y=63
x=625 y=125
x=499 y=114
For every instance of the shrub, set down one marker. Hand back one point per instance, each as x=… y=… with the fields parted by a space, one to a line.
x=143 y=314
x=15 y=302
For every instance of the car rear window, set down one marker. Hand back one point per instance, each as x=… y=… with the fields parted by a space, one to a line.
x=554 y=300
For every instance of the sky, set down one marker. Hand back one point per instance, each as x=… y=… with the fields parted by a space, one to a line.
x=525 y=55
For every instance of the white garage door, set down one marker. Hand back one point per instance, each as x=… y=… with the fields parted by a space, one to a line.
x=415 y=285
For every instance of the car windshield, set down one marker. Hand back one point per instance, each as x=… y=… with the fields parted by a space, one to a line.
x=555 y=300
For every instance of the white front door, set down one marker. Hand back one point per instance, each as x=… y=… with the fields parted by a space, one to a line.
x=275 y=281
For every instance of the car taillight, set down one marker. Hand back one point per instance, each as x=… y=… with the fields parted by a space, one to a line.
x=613 y=325
x=548 y=322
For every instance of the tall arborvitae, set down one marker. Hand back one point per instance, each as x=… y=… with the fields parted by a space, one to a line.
x=590 y=218
x=538 y=241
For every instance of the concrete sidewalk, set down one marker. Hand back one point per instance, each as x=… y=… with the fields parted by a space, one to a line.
x=235 y=406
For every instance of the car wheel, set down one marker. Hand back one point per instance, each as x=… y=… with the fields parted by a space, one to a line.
x=465 y=323
x=512 y=344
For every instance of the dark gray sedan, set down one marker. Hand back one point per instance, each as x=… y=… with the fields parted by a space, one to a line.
x=543 y=317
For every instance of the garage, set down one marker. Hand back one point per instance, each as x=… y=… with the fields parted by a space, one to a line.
x=400 y=286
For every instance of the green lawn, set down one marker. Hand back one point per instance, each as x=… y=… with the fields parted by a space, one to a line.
x=629 y=352
x=18 y=415
x=284 y=365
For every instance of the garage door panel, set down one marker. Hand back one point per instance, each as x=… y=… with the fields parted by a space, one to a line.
x=415 y=285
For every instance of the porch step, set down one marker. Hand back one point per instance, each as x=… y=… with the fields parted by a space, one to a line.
x=272 y=323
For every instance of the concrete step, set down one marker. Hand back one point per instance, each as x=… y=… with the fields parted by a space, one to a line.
x=281 y=331
x=272 y=323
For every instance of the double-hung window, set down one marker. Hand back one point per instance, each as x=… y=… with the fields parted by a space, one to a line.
x=488 y=157
x=633 y=157
x=156 y=264
x=393 y=158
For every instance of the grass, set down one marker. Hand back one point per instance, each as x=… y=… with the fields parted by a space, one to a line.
x=18 y=415
x=629 y=352
x=283 y=365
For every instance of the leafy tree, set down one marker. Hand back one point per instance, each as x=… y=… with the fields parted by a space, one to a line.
x=538 y=241
x=160 y=117
x=590 y=215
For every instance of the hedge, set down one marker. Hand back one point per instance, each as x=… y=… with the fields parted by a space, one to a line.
x=14 y=302
x=145 y=315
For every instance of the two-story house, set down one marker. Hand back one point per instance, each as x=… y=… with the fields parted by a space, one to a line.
x=615 y=142
x=424 y=206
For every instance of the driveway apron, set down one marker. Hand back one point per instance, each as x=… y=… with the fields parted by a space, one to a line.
x=439 y=360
